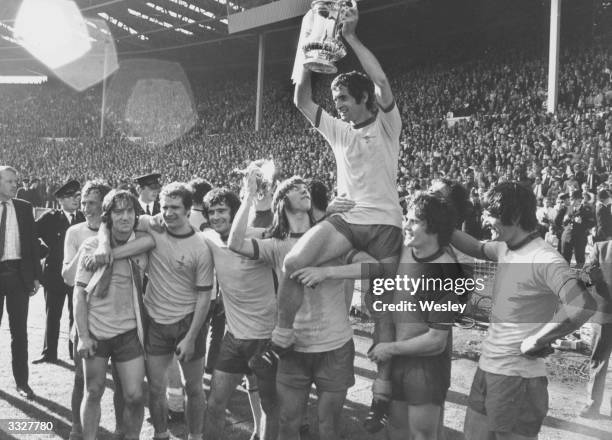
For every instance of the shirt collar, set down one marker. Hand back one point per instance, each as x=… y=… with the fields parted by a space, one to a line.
x=365 y=123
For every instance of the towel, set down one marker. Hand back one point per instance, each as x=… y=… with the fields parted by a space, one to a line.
x=100 y=282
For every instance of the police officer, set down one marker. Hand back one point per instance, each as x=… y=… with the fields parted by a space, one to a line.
x=148 y=193
x=51 y=229
x=577 y=222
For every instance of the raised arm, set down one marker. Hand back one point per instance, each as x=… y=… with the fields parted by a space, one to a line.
x=236 y=241
x=302 y=97
x=368 y=61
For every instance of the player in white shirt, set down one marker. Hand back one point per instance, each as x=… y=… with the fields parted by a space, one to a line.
x=250 y=309
x=324 y=349
x=536 y=300
x=177 y=300
x=365 y=143
x=91 y=204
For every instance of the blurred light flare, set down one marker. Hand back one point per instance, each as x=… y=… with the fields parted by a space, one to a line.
x=53 y=31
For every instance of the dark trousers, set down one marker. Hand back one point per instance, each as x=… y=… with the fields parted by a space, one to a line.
x=576 y=247
x=600 y=357
x=13 y=292
x=54 y=300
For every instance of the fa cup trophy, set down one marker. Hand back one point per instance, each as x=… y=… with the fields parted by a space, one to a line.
x=322 y=46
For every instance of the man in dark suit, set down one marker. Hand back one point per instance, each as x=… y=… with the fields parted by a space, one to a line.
x=603 y=216
x=52 y=227
x=562 y=207
x=592 y=179
x=599 y=266
x=19 y=271
x=148 y=194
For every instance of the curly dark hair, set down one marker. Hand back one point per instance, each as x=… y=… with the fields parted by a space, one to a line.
x=438 y=214
x=224 y=196
x=358 y=85
x=513 y=202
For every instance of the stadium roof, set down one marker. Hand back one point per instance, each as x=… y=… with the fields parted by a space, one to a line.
x=145 y=24
x=185 y=30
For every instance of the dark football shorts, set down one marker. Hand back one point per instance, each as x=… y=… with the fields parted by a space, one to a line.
x=120 y=348
x=162 y=339
x=511 y=403
x=331 y=371
x=235 y=353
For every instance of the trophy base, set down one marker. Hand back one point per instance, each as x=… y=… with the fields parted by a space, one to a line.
x=321 y=66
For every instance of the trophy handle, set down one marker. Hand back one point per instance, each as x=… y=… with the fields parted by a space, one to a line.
x=344 y=5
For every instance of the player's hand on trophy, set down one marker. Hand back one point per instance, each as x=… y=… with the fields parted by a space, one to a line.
x=340 y=204
x=350 y=17
x=250 y=180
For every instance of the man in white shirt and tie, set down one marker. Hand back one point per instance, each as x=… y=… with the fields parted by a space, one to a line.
x=19 y=272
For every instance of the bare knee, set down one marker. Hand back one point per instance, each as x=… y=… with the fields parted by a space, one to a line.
x=157 y=389
x=193 y=388
x=94 y=392
x=133 y=397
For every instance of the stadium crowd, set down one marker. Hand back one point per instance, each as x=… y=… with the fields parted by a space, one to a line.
x=52 y=133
